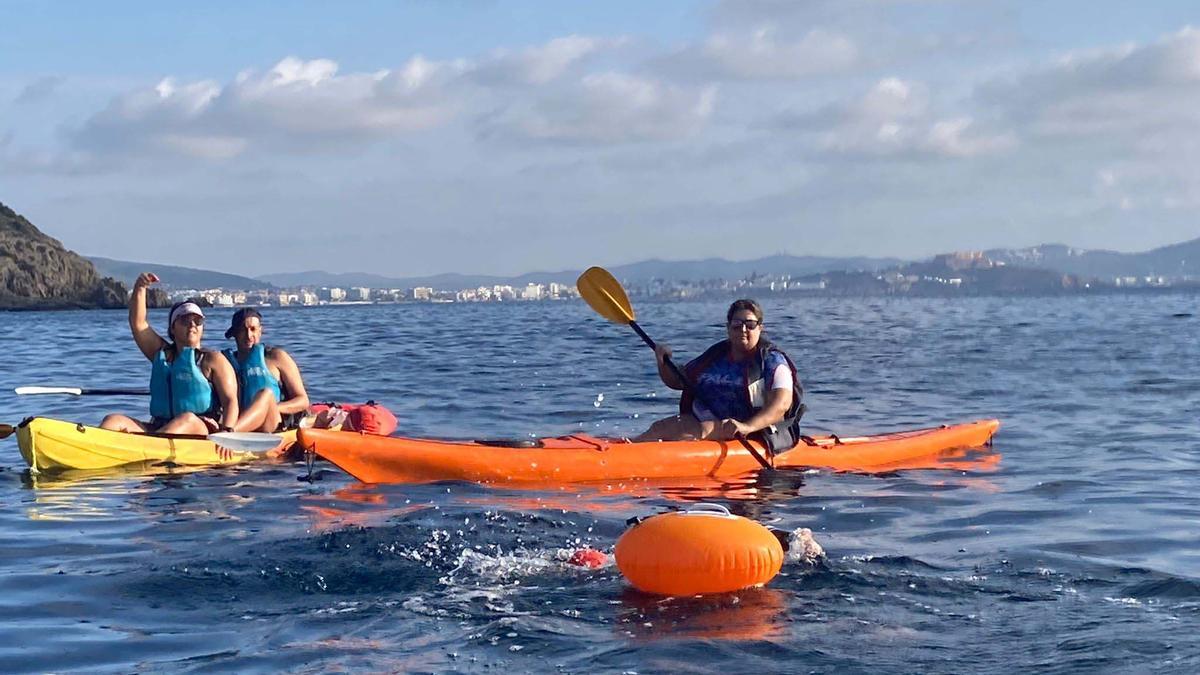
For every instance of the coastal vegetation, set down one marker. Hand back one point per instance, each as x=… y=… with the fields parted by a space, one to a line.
x=38 y=272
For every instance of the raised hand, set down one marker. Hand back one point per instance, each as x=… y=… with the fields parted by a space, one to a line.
x=144 y=280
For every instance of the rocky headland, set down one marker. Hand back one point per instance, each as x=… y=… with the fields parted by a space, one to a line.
x=37 y=272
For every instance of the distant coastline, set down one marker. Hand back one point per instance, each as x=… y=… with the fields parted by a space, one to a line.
x=961 y=274
x=43 y=274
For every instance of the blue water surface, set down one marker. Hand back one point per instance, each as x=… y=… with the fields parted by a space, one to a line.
x=1070 y=546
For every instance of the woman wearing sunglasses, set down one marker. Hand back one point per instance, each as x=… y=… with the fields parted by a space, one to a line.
x=192 y=390
x=743 y=384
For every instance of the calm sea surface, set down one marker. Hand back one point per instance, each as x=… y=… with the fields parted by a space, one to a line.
x=1072 y=546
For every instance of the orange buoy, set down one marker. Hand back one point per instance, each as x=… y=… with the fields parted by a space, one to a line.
x=703 y=550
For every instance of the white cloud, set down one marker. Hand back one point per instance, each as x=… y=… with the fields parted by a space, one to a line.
x=895 y=117
x=606 y=108
x=299 y=105
x=294 y=104
x=1128 y=88
x=764 y=54
x=1133 y=109
x=955 y=138
x=540 y=64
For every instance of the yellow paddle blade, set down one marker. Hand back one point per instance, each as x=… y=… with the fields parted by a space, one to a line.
x=605 y=295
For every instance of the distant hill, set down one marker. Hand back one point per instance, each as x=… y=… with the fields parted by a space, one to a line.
x=173 y=277
x=1175 y=260
x=38 y=272
x=686 y=270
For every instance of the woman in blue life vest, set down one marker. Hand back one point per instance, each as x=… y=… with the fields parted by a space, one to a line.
x=742 y=385
x=192 y=390
x=270 y=389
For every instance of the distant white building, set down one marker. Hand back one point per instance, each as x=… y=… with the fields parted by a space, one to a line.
x=337 y=295
x=309 y=298
x=361 y=293
x=820 y=285
x=532 y=292
x=423 y=293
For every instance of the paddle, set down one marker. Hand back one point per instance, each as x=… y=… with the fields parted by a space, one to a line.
x=239 y=441
x=76 y=391
x=605 y=295
x=246 y=441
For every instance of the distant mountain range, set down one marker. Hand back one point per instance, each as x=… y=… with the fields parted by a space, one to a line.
x=173 y=277
x=1176 y=260
x=684 y=270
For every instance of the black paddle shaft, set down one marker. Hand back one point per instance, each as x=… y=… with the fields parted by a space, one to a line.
x=696 y=392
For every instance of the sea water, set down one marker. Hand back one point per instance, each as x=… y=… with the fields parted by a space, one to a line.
x=1071 y=545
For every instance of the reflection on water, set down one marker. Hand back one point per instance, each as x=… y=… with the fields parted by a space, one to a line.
x=752 y=614
x=83 y=494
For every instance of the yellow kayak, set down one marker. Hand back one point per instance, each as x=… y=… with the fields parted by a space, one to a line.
x=54 y=445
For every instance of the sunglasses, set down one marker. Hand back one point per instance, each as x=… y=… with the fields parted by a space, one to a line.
x=192 y=320
x=749 y=324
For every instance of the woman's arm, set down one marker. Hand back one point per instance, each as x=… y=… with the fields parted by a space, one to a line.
x=147 y=340
x=224 y=381
x=662 y=353
x=778 y=402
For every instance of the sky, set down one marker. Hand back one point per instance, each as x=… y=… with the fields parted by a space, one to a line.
x=488 y=137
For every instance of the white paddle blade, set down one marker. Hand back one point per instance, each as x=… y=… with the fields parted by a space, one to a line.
x=246 y=441
x=73 y=391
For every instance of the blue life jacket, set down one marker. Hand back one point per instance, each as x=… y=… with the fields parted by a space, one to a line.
x=253 y=376
x=777 y=437
x=179 y=386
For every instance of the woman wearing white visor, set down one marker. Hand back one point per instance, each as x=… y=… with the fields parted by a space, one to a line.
x=192 y=390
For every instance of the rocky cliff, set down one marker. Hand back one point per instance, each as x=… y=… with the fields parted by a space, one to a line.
x=36 y=272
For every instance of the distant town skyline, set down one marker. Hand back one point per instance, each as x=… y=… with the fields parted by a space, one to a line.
x=418 y=138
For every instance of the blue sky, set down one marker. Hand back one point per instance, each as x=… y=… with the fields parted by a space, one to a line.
x=407 y=138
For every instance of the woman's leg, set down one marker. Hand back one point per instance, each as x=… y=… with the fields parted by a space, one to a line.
x=187 y=423
x=117 y=422
x=710 y=430
x=673 y=428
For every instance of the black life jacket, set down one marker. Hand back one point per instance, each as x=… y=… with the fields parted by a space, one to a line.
x=777 y=437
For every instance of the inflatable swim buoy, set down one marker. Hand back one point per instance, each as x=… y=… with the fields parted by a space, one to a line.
x=703 y=550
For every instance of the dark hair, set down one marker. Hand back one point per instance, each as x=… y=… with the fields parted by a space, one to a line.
x=744 y=304
x=239 y=318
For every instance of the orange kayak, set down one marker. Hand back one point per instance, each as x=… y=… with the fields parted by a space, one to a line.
x=580 y=458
